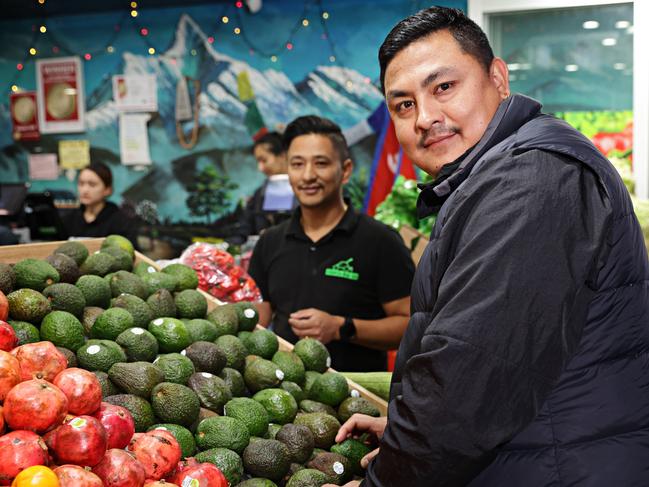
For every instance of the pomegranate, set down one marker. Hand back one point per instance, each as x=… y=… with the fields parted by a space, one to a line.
x=181 y=466
x=119 y=468
x=8 y=338
x=40 y=360
x=4 y=307
x=2 y=422
x=35 y=405
x=202 y=475
x=82 y=388
x=9 y=373
x=118 y=423
x=82 y=441
x=75 y=476
x=19 y=450
x=158 y=451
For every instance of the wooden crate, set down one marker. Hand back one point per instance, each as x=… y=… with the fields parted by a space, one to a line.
x=11 y=254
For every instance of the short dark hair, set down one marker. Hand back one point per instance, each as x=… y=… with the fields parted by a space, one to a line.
x=103 y=171
x=312 y=124
x=466 y=32
x=274 y=142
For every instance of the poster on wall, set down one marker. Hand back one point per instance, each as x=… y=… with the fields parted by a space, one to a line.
x=74 y=154
x=61 y=100
x=134 y=139
x=24 y=116
x=135 y=92
x=43 y=167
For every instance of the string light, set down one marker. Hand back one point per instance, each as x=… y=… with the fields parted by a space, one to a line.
x=332 y=59
x=14 y=88
x=133 y=4
x=239 y=4
x=19 y=66
x=225 y=19
x=144 y=31
x=43 y=29
x=349 y=85
x=210 y=39
x=237 y=31
x=41 y=2
x=273 y=59
x=55 y=49
x=193 y=52
x=133 y=13
x=305 y=22
x=289 y=46
x=151 y=51
x=325 y=15
x=110 y=49
x=32 y=51
x=87 y=56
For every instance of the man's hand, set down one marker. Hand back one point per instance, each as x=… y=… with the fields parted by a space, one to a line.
x=353 y=483
x=317 y=324
x=362 y=423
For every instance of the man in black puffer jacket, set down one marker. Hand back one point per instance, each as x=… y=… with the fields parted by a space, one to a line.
x=526 y=359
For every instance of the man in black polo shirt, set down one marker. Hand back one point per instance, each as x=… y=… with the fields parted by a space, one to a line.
x=331 y=273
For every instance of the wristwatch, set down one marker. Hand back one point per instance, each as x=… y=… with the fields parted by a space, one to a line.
x=348 y=330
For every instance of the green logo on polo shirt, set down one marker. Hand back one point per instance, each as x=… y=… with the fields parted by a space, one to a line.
x=343 y=269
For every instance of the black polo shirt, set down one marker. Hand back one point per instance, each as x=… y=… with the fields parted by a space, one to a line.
x=357 y=266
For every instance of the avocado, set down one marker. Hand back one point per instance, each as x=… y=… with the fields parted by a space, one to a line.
x=294 y=389
x=100 y=355
x=227 y=461
x=313 y=353
x=234 y=380
x=212 y=391
x=330 y=388
x=97 y=264
x=247 y=315
x=309 y=477
x=140 y=311
x=335 y=466
x=172 y=334
x=222 y=432
x=354 y=451
x=119 y=241
x=69 y=356
x=191 y=304
x=27 y=333
x=353 y=405
x=257 y=482
x=249 y=412
x=123 y=261
x=138 y=378
x=273 y=429
x=107 y=386
x=95 y=290
x=206 y=357
x=291 y=365
x=235 y=352
x=262 y=342
x=129 y=283
x=176 y=367
x=225 y=318
x=267 y=458
x=28 y=305
x=143 y=268
x=186 y=277
x=139 y=408
x=162 y=304
x=309 y=406
x=323 y=426
x=90 y=315
x=279 y=404
x=66 y=267
x=262 y=374
x=154 y=281
x=111 y=323
x=63 y=329
x=201 y=330
x=66 y=297
x=184 y=437
x=35 y=274
x=175 y=403
x=138 y=344
x=309 y=378
x=299 y=441
x=7 y=278
x=76 y=250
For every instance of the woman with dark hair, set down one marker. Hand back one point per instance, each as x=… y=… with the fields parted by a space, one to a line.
x=96 y=216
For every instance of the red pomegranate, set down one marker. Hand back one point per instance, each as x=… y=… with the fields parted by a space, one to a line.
x=118 y=423
x=181 y=466
x=9 y=373
x=202 y=475
x=40 y=360
x=2 y=422
x=82 y=441
x=158 y=451
x=75 y=476
x=19 y=450
x=35 y=405
x=119 y=468
x=82 y=388
x=8 y=338
x=4 y=307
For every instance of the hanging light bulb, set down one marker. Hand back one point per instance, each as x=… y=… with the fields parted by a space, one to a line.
x=43 y=29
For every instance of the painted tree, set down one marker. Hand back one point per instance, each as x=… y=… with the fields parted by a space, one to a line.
x=210 y=194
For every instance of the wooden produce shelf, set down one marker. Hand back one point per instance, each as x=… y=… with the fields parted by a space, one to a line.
x=10 y=254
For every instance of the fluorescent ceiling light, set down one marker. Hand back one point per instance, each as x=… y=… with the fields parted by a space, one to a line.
x=571 y=68
x=622 y=24
x=590 y=24
x=609 y=41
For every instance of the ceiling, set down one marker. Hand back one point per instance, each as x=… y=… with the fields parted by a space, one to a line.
x=20 y=9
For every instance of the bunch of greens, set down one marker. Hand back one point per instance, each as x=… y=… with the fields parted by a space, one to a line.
x=399 y=208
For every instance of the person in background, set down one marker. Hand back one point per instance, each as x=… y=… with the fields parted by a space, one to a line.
x=526 y=359
x=271 y=160
x=329 y=272
x=96 y=216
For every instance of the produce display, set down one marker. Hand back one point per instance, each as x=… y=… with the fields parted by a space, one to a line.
x=116 y=375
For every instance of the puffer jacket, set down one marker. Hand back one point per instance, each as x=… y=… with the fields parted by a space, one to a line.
x=526 y=360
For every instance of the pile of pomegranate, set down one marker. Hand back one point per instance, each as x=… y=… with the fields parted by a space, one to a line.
x=55 y=431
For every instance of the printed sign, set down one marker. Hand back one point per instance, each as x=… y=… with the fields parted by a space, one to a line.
x=74 y=154
x=24 y=116
x=135 y=93
x=133 y=138
x=43 y=167
x=61 y=104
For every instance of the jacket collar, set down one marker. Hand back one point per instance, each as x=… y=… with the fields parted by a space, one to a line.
x=512 y=113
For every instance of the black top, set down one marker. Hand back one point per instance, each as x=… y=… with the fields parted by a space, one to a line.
x=351 y=271
x=111 y=220
x=254 y=219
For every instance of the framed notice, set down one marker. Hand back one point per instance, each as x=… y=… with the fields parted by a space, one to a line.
x=24 y=116
x=135 y=92
x=61 y=102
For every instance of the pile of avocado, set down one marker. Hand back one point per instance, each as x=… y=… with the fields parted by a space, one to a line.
x=221 y=386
